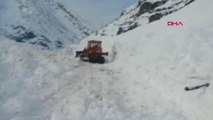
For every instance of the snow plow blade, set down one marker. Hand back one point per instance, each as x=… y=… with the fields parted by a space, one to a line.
x=78 y=53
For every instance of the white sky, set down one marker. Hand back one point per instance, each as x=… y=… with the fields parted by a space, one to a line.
x=98 y=12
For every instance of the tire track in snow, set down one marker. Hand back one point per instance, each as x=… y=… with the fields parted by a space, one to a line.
x=93 y=88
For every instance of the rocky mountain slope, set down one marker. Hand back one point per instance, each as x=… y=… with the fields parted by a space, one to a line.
x=42 y=22
x=141 y=13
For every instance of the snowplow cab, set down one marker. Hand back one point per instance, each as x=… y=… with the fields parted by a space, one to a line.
x=93 y=53
x=94 y=44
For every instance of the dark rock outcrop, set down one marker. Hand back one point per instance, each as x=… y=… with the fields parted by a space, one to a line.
x=141 y=13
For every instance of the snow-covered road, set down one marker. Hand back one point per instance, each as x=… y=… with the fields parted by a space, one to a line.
x=56 y=86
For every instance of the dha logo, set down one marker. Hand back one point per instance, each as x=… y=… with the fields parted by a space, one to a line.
x=172 y=23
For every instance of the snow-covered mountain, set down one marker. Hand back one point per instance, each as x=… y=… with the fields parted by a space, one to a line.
x=144 y=79
x=141 y=13
x=42 y=22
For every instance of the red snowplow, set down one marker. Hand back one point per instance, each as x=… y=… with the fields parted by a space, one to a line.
x=92 y=53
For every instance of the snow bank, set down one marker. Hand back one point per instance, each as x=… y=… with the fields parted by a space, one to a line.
x=156 y=62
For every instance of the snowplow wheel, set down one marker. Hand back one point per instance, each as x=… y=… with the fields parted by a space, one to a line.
x=100 y=60
x=92 y=60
